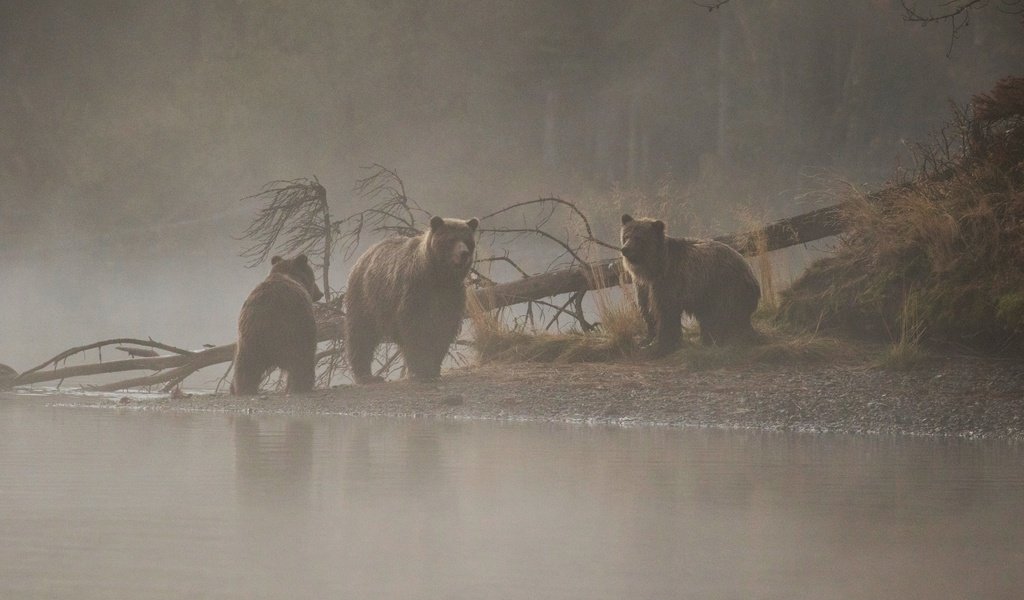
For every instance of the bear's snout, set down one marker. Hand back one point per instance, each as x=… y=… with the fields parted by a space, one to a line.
x=629 y=252
x=461 y=254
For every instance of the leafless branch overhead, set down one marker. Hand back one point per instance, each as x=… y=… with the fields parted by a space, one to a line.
x=955 y=13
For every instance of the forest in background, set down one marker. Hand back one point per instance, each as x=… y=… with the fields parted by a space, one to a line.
x=118 y=112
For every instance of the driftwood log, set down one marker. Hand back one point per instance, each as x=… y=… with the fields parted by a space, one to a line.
x=173 y=368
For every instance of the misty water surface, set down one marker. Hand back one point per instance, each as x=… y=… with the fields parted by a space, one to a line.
x=134 y=504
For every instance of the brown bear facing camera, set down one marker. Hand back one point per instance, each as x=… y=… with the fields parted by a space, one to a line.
x=411 y=291
x=276 y=328
x=704 y=278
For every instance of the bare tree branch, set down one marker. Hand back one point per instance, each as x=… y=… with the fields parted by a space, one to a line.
x=295 y=219
x=393 y=212
x=711 y=6
x=957 y=13
x=557 y=201
x=72 y=351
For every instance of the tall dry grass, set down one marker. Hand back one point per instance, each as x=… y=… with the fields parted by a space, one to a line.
x=905 y=351
x=763 y=262
x=618 y=326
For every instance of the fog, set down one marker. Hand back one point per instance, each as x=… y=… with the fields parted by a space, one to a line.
x=129 y=132
x=157 y=504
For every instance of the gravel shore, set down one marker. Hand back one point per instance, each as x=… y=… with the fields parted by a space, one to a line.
x=954 y=396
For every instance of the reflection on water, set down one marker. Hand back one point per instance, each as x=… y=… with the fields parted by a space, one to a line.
x=134 y=504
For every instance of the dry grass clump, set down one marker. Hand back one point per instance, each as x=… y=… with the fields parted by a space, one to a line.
x=763 y=261
x=949 y=243
x=620 y=328
x=905 y=352
x=775 y=346
x=614 y=338
x=497 y=343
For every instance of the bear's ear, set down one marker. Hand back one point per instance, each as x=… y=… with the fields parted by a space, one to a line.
x=659 y=227
x=301 y=259
x=275 y=260
x=626 y=219
x=473 y=224
x=436 y=223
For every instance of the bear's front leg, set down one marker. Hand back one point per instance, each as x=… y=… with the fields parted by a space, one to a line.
x=670 y=329
x=643 y=301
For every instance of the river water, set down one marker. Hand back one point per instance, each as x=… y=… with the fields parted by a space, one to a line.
x=101 y=503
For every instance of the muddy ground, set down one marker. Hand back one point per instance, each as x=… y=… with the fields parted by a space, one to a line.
x=951 y=396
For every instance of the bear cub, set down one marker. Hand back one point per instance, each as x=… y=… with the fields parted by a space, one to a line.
x=704 y=278
x=410 y=290
x=276 y=328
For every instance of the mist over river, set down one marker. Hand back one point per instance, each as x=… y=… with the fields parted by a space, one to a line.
x=151 y=504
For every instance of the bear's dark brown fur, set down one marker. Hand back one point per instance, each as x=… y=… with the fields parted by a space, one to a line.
x=410 y=291
x=704 y=278
x=276 y=328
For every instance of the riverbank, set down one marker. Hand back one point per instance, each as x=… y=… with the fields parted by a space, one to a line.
x=957 y=396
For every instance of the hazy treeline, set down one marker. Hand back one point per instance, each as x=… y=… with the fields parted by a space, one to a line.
x=116 y=112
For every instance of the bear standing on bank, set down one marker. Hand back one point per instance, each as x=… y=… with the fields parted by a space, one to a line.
x=276 y=328
x=412 y=292
x=704 y=278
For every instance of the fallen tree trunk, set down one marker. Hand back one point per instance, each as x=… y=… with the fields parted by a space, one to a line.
x=803 y=228
x=113 y=366
x=199 y=360
x=592 y=276
x=799 y=229
x=172 y=369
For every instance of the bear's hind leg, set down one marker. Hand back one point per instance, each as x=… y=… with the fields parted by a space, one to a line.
x=301 y=373
x=249 y=373
x=418 y=363
x=724 y=328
